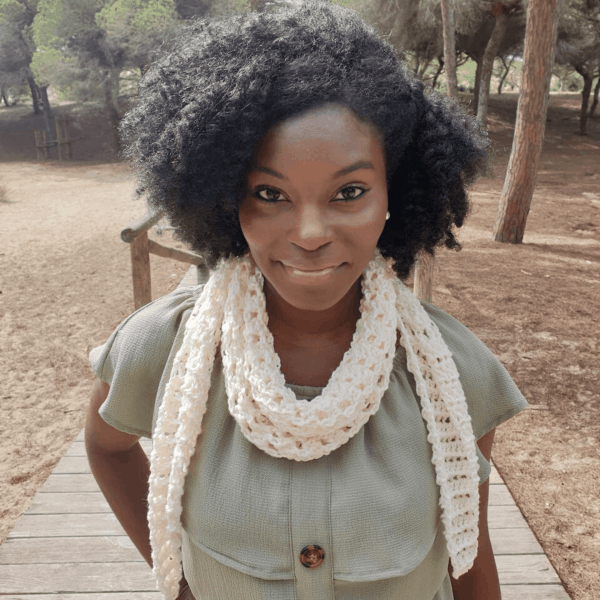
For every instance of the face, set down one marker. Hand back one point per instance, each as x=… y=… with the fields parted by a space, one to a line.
x=315 y=205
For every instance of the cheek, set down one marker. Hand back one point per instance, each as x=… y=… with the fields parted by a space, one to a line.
x=253 y=227
x=367 y=225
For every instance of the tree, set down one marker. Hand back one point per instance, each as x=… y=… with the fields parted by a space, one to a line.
x=16 y=44
x=88 y=43
x=501 y=13
x=540 y=42
x=475 y=45
x=504 y=72
x=579 y=46
x=136 y=27
x=72 y=50
x=449 y=47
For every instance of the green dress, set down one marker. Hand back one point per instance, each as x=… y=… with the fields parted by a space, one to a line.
x=371 y=505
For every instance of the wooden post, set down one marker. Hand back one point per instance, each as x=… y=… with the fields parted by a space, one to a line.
x=203 y=274
x=38 y=143
x=59 y=139
x=44 y=144
x=66 y=137
x=140 y=271
x=423 y=283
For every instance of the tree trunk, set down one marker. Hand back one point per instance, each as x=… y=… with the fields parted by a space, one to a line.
x=505 y=74
x=477 y=84
x=111 y=106
x=417 y=62
x=449 y=47
x=588 y=80
x=4 y=98
x=48 y=119
x=595 y=102
x=538 y=59
x=487 y=63
x=423 y=284
x=424 y=65
x=440 y=60
x=34 y=95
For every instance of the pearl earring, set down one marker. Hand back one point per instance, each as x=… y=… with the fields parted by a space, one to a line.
x=387 y=215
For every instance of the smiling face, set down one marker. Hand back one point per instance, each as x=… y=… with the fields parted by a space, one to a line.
x=315 y=205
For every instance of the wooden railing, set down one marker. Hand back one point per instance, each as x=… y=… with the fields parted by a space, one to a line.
x=136 y=234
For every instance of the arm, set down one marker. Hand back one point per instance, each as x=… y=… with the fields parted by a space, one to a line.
x=122 y=469
x=481 y=581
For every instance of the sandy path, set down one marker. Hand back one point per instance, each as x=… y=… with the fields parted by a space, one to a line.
x=65 y=284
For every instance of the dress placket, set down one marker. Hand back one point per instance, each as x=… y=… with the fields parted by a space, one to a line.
x=311 y=530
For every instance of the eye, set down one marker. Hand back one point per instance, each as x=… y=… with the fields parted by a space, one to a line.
x=351 y=192
x=270 y=194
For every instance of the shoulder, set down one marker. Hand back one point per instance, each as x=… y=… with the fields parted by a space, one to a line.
x=461 y=341
x=491 y=394
x=147 y=335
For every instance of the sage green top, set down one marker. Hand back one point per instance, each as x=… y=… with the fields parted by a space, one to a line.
x=372 y=504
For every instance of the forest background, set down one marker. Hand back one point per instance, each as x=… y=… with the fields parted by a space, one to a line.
x=535 y=304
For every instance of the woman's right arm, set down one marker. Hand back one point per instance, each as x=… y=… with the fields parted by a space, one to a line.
x=122 y=471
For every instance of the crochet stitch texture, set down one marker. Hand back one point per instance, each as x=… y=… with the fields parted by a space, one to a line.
x=232 y=310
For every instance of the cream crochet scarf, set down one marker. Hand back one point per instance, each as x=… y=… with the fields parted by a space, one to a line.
x=231 y=310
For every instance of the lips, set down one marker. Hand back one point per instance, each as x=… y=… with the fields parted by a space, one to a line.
x=309 y=269
x=310 y=273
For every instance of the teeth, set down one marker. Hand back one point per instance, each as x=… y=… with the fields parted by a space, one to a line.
x=298 y=273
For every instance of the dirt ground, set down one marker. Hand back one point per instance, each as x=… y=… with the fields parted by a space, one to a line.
x=65 y=284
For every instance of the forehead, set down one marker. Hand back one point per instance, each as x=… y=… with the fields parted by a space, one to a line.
x=331 y=132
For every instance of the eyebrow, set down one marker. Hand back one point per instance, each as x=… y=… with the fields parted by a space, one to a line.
x=359 y=164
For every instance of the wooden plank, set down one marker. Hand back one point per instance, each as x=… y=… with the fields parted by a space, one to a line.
x=500 y=496
x=42 y=526
x=495 y=477
x=528 y=568
x=114 y=548
x=514 y=541
x=77 y=577
x=503 y=517
x=174 y=253
x=104 y=596
x=68 y=502
x=83 y=482
x=72 y=465
x=533 y=592
x=135 y=228
x=81 y=436
x=77 y=448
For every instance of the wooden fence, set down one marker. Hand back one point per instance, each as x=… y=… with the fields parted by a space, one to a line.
x=62 y=141
x=136 y=234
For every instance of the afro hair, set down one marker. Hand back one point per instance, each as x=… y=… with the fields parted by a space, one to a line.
x=204 y=106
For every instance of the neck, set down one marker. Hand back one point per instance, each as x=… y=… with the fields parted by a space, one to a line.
x=289 y=322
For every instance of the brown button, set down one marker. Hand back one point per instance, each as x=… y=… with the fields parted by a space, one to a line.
x=312 y=556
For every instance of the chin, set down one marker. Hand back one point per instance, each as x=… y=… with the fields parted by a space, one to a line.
x=319 y=294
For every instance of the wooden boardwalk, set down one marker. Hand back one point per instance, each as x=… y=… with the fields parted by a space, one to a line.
x=69 y=546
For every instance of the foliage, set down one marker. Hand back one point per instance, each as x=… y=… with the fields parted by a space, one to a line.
x=137 y=26
x=579 y=34
x=16 y=46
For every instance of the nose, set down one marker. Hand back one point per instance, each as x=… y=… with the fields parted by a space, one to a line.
x=312 y=229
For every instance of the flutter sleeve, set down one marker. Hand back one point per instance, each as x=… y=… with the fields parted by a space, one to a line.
x=133 y=359
x=492 y=396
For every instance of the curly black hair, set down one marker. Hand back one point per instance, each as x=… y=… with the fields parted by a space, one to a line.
x=204 y=106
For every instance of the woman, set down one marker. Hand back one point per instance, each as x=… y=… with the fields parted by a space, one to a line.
x=317 y=432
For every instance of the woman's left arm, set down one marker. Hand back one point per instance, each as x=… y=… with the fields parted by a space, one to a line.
x=481 y=581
